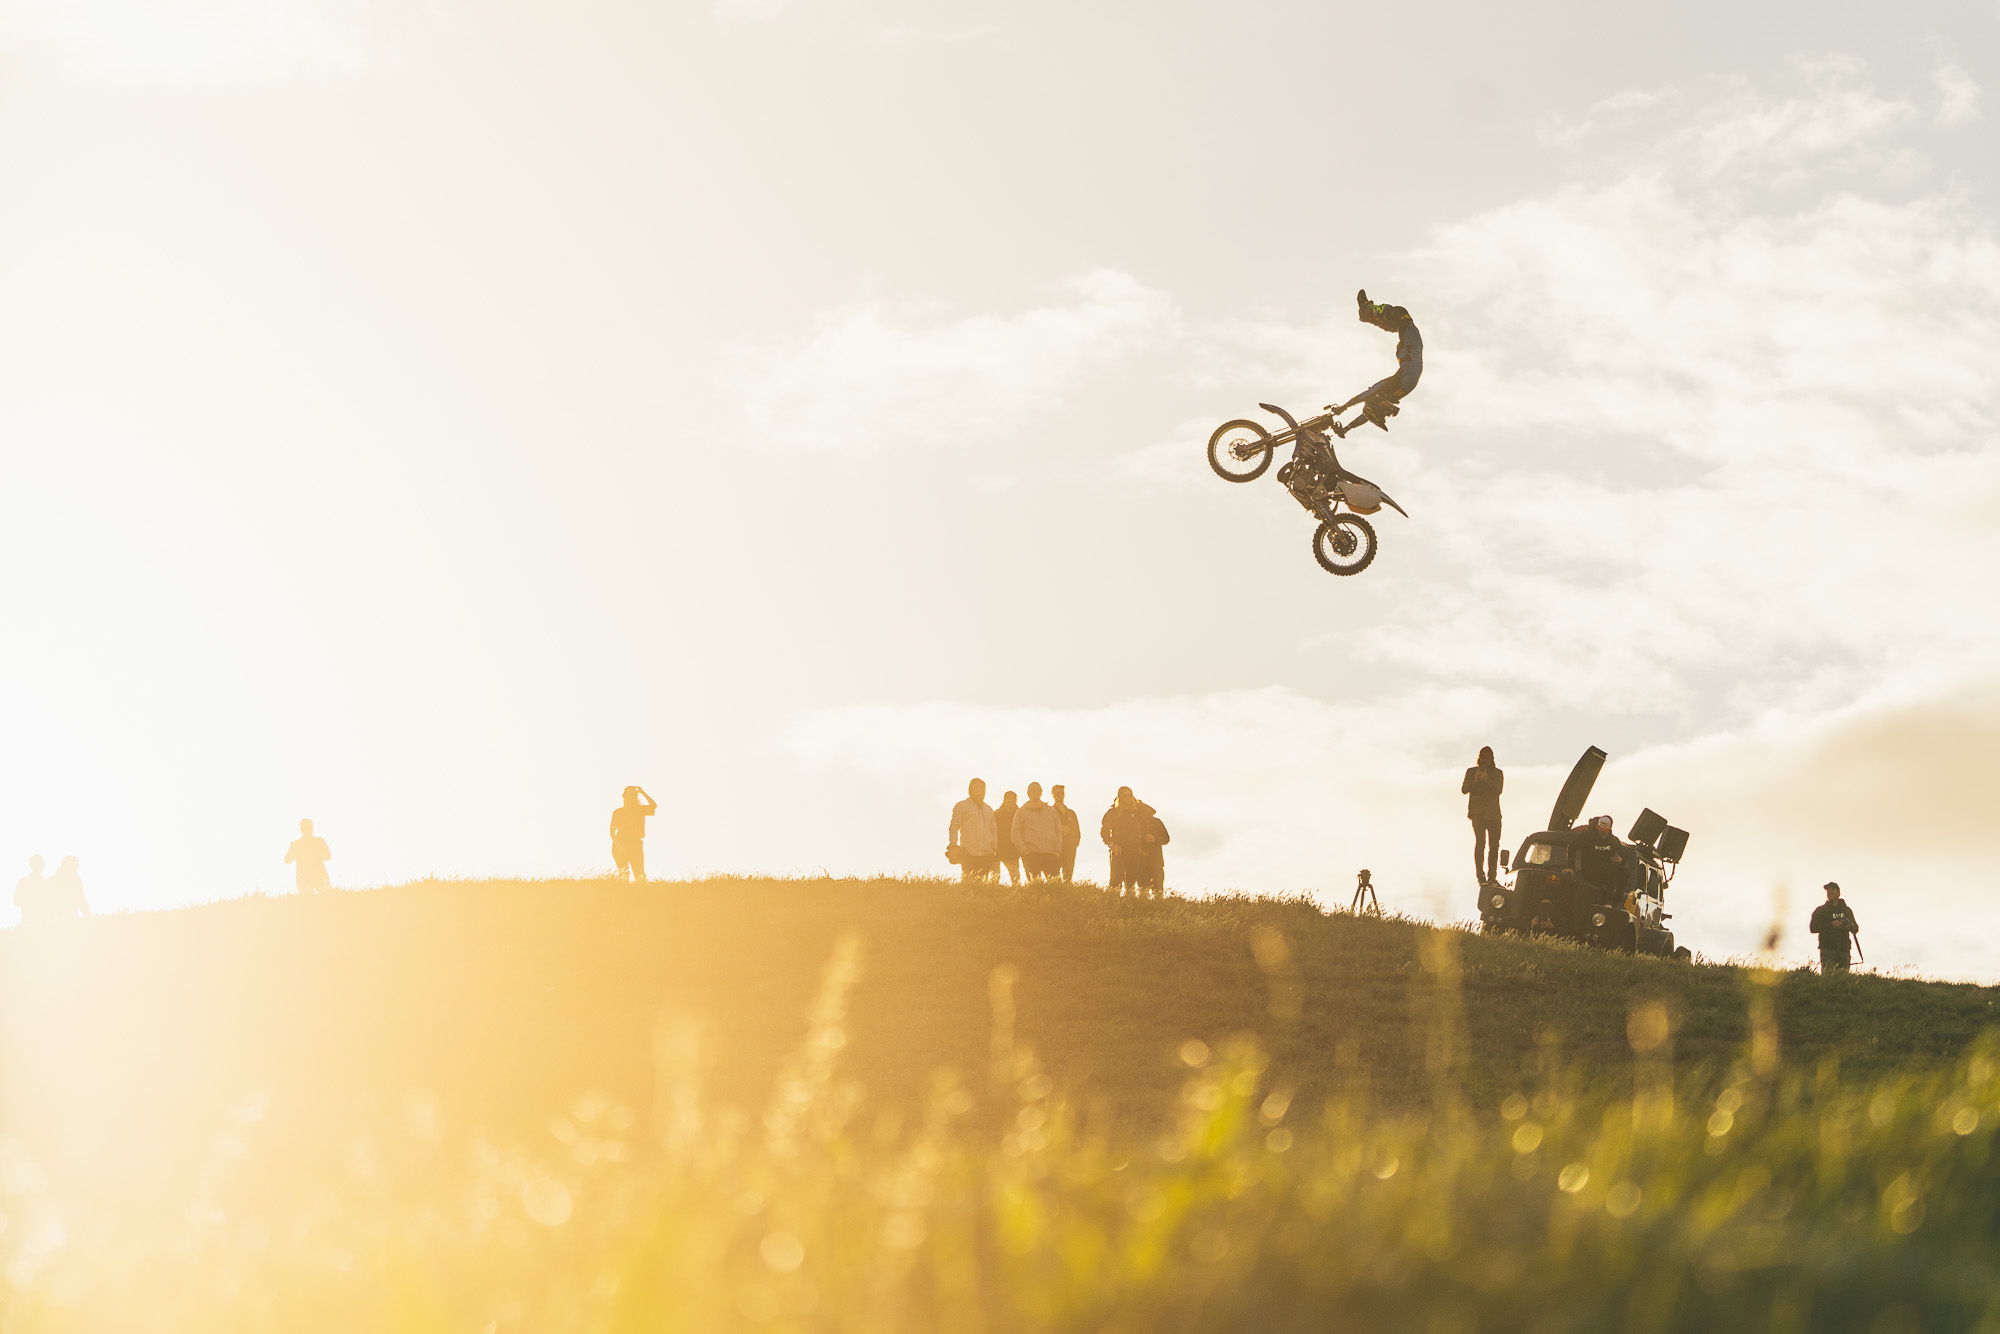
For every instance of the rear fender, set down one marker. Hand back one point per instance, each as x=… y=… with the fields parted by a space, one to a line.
x=1290 y=420
x=1386 y=498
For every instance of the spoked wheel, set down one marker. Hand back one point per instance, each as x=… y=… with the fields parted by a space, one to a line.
x=1345 y=545
x=1239 y=451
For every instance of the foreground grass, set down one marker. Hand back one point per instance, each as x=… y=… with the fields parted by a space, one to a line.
x=1420 y=1147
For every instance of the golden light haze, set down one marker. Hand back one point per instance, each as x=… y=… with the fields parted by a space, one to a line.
x=430 y=419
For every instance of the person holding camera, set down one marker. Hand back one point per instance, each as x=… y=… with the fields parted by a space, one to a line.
x=1834 y=923
x=628 y=832
x=972 y=842
x=1482 y=785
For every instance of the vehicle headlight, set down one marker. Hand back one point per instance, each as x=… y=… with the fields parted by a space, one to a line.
x=1498 y=901
x=1597 y=919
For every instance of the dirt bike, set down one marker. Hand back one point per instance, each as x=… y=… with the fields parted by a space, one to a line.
x=1344 y=543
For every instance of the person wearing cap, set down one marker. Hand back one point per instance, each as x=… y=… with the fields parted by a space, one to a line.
x=1601 y=857
x=1834 y=922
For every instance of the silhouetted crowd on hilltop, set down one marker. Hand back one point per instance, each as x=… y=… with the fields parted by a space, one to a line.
x=1037 y=840
x=51 y=898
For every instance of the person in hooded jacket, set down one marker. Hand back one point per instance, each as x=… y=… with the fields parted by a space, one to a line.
x=1155 y=876
x=1126 y=833
x=1003 y=828
x=1601 y=860
x=1038 y=835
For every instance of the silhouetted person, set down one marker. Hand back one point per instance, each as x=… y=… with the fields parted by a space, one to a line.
x=1833 y=922
x=1482 y=785
x=1601 y=859
x=1125 y=832
x=628 y=832
x=31 y=893
x=1003 y=832
x=1154 y=877
x=972 y=841
x=1379 y=400
x=1038 y=835
x=308 y=857
x=64 y=893
x=1072 y=833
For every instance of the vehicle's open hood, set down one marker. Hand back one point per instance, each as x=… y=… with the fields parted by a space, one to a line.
x=1576 y=791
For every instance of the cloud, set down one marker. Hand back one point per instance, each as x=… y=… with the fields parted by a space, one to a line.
x=1833 y=119
x=1697 y=465
x=1959 y=94
x=871 y=377
x=1683 y=436
x=183 y=41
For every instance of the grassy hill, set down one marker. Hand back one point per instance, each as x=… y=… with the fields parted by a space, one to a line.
x=437 y=1108
x=129 y=1040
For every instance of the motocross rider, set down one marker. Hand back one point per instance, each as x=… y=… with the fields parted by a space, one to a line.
x=1378 y=401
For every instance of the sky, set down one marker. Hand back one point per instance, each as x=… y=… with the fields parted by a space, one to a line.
x=430 y=417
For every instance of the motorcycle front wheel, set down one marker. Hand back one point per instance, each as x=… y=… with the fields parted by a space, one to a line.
x=1239 y=451
x=1344 y=545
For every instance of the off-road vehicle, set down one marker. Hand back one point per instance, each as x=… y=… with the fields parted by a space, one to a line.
x=1575 y=881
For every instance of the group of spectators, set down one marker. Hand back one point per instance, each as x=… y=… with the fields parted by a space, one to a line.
x=1037 y=840
x=51 y=898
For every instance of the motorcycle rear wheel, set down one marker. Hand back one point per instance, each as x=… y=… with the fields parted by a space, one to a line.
x=1252 y=440
x=1345 y=545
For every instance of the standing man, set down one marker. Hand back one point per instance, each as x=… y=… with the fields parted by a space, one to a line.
x=972 y=840
x=1482 y=785
x=31 y=892
x=1833 y=922
x=628 y=832
x=1003 y=829
x=1038 y=835
x=1072 y=833
x=65 y=892
x=308 y=857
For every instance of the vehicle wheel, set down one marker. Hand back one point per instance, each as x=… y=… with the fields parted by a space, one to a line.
x=1345 y=545
x=1239 y=451
x=1684 y=954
